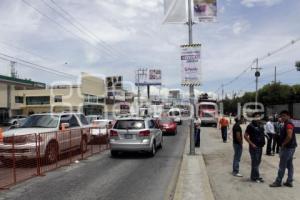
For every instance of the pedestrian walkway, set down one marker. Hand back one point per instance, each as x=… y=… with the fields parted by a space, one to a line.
x=193 y=182
x=218 y=158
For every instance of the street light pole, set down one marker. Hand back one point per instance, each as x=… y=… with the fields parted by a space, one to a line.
x=192 y=95
x=257 y=74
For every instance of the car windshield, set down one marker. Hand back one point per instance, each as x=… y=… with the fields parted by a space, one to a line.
x=174 y=113
x=208 y=115
x=100 y=123
x=165 y=120
x=41 y=121
x=129 y=124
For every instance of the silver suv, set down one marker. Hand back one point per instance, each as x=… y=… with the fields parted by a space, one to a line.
x=45 y=131
x=135 y=134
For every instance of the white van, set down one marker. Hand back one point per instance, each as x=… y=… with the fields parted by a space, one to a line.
x=175 y=114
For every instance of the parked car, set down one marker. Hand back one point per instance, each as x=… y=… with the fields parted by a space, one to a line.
x=17 y=120
x=135 y=134
x=51 y=137
x=168 y=126
x=175 y=114
x=91 y=118
x=100 y=129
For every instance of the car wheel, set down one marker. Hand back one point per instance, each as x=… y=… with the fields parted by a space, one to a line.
x=175 y=132
x=51 y=155
x=161 y=143
x=83 y=145
x=153 y=149
x=114 y=153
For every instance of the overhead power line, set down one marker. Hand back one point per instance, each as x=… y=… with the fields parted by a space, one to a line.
x=84 y=28
x=81 y=29
x=291 y=43
x=36 y=66
x=62 y=27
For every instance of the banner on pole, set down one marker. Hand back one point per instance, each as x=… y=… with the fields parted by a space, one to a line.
x=176 y=11
x=190 y=64
x=205 y=10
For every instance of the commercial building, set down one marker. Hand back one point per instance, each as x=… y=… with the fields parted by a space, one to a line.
x=7 y=87
x=87 y=97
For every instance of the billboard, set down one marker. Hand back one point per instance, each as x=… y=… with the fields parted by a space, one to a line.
x=190 y=64
x=114 y=82
x=148 y=77
x=176 y=11
x=205 y=10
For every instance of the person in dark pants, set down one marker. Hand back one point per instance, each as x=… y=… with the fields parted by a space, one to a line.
x=278 y=125
x=224 y=126
x=237 y=137
x=269 y=128
x=288 y=144
x=255 y=136
x=197 y=123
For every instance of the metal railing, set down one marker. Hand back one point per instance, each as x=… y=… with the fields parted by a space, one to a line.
x=31 y=155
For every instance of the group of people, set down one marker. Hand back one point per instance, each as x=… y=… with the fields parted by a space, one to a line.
x=282 y=134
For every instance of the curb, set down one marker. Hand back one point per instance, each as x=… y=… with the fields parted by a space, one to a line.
x=193 y=181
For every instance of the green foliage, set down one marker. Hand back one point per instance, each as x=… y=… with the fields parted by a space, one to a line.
x=270 y=94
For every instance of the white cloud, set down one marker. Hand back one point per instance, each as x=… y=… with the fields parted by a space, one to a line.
x=251 y=3
x=240 y=27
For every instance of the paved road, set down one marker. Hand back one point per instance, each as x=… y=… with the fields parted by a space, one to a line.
x=218 y=158
x=131 y=176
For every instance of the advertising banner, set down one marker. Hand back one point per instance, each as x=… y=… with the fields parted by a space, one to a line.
x=205 y=10
x=148 y=77
x=175 y=11
x=190 y=65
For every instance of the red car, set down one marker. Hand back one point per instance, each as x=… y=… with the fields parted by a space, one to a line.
x=168 y=126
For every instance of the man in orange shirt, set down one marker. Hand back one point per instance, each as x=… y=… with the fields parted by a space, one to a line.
x=224 y=126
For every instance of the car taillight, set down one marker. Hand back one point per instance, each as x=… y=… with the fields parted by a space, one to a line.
x=113 y=133
x=144 y=133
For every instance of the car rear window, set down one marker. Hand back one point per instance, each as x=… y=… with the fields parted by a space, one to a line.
x=129 y=124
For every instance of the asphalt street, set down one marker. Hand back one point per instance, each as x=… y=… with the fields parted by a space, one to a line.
x=129 y=177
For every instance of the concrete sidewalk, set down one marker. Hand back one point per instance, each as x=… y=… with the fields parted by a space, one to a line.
x=193 y=182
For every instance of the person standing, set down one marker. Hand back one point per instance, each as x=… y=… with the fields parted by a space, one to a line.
x=269 y=128
x=237 y=137
x=278 y=128
x=224 y=126
x=197 y=123
x=255 y=136
x=288 y=144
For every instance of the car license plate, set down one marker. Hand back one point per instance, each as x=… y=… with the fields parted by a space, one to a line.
x=128 y=136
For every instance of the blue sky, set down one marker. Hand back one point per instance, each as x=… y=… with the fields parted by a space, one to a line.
x=130 y=34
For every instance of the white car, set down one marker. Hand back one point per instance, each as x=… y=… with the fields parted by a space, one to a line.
x=45 y=132
x=100 y=128
x=175 y=114
x=91 y=118
x=135 y=134
x=17 y=120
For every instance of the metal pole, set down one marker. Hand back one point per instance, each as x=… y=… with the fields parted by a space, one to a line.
x=192 y=138
x=275 y=78
x=256 y=85
x=139 y=92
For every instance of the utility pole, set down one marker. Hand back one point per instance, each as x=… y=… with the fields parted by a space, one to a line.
x=275 y=75
x=257 y=74
x=222 y=92
x=139 y=92
x=192 y=95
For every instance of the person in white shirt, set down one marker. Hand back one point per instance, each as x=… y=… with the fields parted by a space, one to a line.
x=270 y=131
